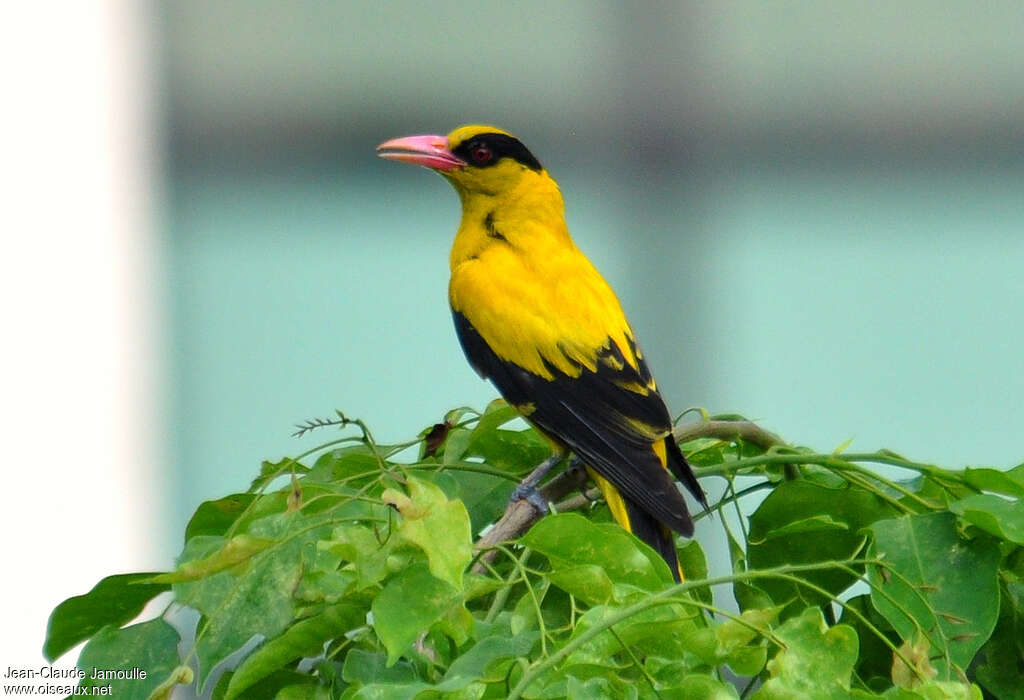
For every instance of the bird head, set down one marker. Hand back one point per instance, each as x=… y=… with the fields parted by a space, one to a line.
x=476 y=159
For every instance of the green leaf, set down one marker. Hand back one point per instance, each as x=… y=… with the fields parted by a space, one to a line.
x=525 y=612
x=272 y=470
x=215 y=518
x=365 y=667
x=515 y=451
x=932 y=690
x=437 y=526
x=304 y=638
x=374 y=681
x=358 y=544
x=816 y=662
x=1002 y=671
x=391 y=691
x=352 y=466
x=484 y=659
x=748 y=596
x=280 y=685
x=113 y=601
x=803 y=522
x=735 y=638
x=307 y=690
x=1010 y=483
x=699 y=686
x=569 y=540
x=695 y=566
x=599 y=687
x=456 y=444
x=457 y=624
x=993 y=514
x=496 y=414
x=409 y=604
x=815 y=523
x=182 y=675
x=149 y=649
x=736 y=643
x=937 y=493
x=321 y=586
x=588 y=582
x=936 y=581
x=484 y=495
x=662 y=630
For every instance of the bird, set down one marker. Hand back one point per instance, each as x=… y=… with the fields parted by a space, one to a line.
x=535 y=317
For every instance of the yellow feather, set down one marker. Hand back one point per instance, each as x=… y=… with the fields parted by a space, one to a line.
x=613 y=498
x=659 y=449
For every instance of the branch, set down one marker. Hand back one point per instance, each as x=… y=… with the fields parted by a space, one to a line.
x=744 y=430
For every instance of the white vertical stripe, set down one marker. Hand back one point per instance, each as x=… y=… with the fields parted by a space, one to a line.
x=80 y=448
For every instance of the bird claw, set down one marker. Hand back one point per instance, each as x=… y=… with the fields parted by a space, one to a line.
x=575 y=464
x=531 y=495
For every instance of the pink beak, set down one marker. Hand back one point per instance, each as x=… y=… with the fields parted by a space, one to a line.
x=428 y=150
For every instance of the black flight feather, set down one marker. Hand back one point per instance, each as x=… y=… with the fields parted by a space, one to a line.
x=595 y=415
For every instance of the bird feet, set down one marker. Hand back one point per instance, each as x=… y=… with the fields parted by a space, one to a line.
x=530 y=494
x=575 y=464
x=527 y=490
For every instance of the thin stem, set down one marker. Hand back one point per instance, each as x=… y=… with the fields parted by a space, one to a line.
x=849 y=466
x=503 y=593
x=520 y=565
x=880 y=457
x=735 y=496
x=859 y=480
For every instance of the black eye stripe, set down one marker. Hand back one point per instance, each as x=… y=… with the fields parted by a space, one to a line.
x=501 y=146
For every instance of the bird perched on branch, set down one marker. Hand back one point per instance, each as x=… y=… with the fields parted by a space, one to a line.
x=537 y=319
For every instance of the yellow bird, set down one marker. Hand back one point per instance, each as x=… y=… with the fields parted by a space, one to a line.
x=536 y=318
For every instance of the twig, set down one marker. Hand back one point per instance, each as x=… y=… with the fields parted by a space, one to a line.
x=580 y=500
x=745 y=430
x=730 y=430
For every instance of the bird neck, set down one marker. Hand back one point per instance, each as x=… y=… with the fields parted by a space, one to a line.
x=529 y=216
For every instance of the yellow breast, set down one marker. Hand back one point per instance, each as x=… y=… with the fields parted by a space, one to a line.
x=539 y=306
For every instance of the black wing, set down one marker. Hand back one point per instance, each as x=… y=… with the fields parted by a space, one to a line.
x=606 y=423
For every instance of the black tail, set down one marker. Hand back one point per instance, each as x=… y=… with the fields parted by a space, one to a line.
x=658 y=537
x=683 y=471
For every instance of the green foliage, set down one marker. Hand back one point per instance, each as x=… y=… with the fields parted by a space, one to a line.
x=815 y=661
x=936 y=584
x=112 y=601
x=349 y=572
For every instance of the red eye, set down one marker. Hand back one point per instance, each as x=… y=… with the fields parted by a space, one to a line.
x=481 y=153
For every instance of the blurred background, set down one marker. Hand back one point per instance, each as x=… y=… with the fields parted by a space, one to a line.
x=812 y=213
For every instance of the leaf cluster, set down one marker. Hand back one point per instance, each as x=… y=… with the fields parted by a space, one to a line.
x=348 y=572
